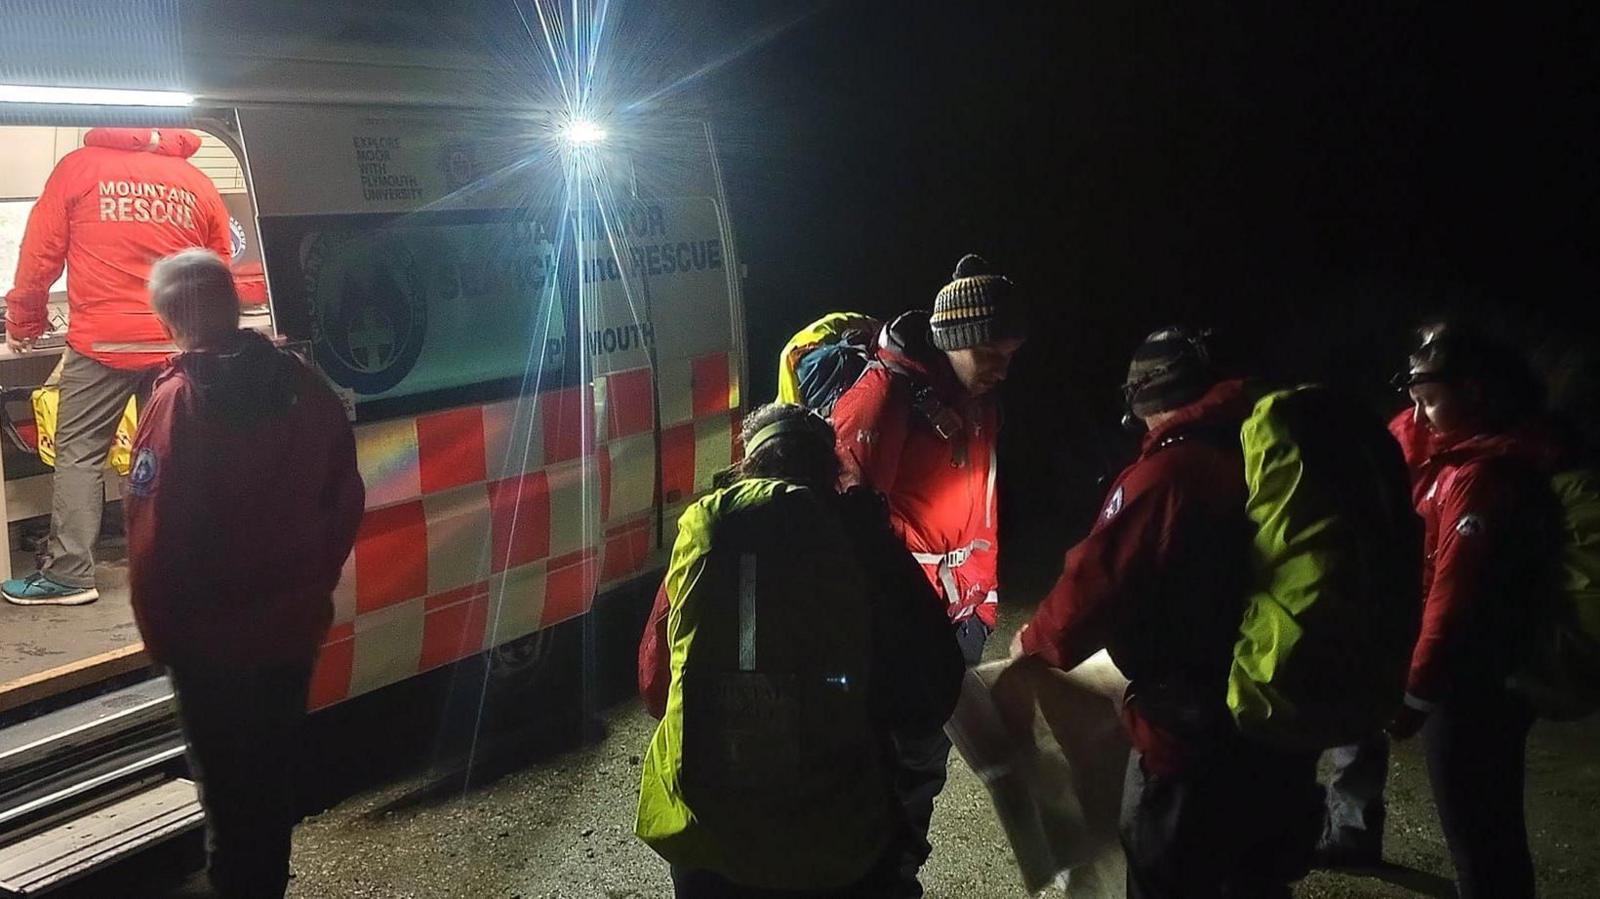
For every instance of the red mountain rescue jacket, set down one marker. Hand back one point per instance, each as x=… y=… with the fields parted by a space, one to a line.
x=109 y=210
x=241 y=507
x=1416 y=444
x=1161 y=579
x=940 y=487
x=1491 y=539
x=1416 y=441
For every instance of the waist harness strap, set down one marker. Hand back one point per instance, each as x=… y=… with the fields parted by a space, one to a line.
x=947 y=564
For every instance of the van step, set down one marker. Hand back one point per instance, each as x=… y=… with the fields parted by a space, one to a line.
x=85 y=726
x=55 y=857
x=66 y=794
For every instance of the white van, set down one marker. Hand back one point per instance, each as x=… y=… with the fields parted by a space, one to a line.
x=539 y=340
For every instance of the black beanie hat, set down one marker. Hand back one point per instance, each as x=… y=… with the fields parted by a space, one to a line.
x=975 y=308
x=1172 y=368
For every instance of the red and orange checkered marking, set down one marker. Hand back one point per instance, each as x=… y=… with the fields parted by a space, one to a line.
x=485 y=523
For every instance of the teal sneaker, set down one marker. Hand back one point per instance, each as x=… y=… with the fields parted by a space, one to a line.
x=38 y=590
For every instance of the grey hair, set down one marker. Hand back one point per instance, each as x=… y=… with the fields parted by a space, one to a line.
x=193 y=294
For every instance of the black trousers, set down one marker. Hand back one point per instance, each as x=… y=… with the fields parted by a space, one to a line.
x=1239 y=823
x=1476 y=749
x=876 y=884
x=242 y=727
x=922 y=762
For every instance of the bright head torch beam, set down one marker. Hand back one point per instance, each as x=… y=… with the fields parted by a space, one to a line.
x=583 y=133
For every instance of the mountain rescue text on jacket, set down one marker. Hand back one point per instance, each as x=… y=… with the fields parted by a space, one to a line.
x=108 y=211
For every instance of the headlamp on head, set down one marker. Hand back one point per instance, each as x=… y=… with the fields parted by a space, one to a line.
x=1405 y=380
x=810 y=423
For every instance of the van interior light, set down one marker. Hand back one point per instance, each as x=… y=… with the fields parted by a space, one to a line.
x=94 y=96
x=583 y=131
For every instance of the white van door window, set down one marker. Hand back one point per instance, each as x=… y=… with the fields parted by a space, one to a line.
x=412 y=309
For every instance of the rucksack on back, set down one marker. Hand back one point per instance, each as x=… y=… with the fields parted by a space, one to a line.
x=1561 y=677
x=766 y=767
x=825 y=358
x=1325 y=643
x=830 y=355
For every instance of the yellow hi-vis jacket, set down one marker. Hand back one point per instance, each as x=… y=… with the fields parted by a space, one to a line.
x=766 y=768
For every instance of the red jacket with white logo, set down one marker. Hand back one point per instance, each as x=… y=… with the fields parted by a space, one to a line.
x=941 y=489
x=108 y=211
x=1162 y=578
x=1491 y=534
x=241 y=507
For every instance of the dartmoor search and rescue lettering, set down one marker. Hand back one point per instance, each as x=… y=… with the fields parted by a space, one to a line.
x=681 y=257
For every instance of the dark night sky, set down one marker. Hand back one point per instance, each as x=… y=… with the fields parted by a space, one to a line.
x=1313 y=181
x=1233 y=167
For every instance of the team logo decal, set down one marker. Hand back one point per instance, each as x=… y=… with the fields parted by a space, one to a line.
x=142 y=477
x=236 y=239
x=1469 y=525
x=371 y=312
x=1113 y=505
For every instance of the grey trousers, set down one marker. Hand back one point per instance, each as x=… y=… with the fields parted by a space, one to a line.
x=1355 y=806
x=92 y=399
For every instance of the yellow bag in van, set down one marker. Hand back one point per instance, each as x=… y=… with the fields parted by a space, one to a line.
x=47 y=400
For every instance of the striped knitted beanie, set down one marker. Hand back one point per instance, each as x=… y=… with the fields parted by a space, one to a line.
x=975 y=308
x=1170 y=369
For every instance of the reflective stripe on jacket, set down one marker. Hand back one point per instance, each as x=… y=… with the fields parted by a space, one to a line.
x=796 y=634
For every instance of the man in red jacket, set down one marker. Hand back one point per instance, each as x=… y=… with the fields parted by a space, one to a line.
x=108 y=211
x=241 y=507
x=1492 y=532
x=921 y=427
x=1161 y=582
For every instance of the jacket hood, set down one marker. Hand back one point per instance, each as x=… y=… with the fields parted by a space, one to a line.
x=249 y=380
x=906 y=344
x=1416 y=442
x=1536 y=441
x=161 y=141
x=1227 y=403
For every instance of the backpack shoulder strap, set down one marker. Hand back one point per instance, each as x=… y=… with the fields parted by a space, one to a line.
x=924 y=400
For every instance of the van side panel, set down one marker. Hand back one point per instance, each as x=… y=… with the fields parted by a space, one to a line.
x=489 y=520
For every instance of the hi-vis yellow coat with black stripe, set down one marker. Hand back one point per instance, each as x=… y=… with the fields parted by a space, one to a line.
x=766 y=768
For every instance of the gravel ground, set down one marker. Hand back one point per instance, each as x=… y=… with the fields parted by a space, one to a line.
x=563 y=828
